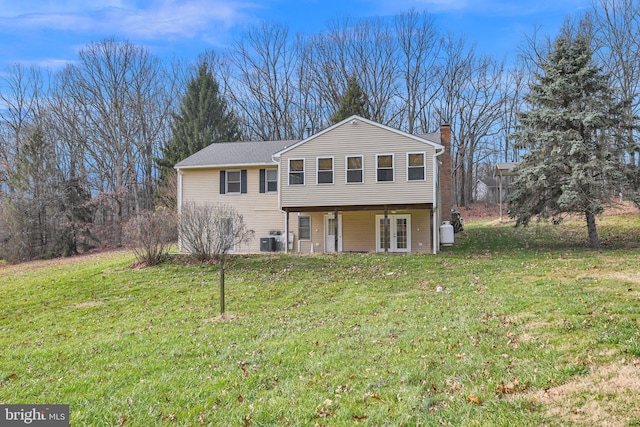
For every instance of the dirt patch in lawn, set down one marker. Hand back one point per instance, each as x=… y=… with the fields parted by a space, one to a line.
x=607 y=396
x=627 y=276
x=88 y=304
x=221 y=318
x=484 y=211
x=76 y=259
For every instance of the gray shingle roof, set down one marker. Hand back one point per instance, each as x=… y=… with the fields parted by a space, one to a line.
x=505 y=169
x=235 y=153
x=433 y=137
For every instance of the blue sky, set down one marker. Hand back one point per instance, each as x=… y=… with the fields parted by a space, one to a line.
x=50 y=32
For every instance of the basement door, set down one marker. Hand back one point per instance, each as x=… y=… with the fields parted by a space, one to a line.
x=330 y=233
x=396 y=236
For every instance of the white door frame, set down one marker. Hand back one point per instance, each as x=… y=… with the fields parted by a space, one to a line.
x=393 y=232
x=329 y=239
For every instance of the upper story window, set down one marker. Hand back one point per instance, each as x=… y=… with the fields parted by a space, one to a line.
x=354 y=169
x=384 y=167
x=296 y=171
x=416 y=167
x=325 y=170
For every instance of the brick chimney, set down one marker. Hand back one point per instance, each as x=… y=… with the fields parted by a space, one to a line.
x=445 y=174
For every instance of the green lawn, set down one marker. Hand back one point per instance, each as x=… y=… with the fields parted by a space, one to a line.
x=530 y=328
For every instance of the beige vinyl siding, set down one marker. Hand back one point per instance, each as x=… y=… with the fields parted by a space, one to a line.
x=353 y=140
x=421 y=240
x=359 y=231
x=260 y=210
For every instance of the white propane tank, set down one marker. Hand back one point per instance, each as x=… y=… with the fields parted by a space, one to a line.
x=446 y=234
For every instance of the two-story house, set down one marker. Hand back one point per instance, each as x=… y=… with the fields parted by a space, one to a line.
x=357 y=186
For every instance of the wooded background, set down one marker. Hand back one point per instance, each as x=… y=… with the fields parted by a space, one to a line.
x=79 y=147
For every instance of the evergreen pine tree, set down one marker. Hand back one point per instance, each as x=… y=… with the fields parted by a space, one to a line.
x=573 y=161
x=353 y=101
x=204 y=118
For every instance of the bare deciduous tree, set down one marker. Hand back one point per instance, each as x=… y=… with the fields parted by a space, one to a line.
x=264 y=89
x=418 y=71
x=208 y=230
x=115 y=104
x=617 y=34
x=471 y=101
x=150 y=235
x=20 y=96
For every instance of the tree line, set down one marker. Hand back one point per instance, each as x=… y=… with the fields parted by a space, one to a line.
x=84 y=149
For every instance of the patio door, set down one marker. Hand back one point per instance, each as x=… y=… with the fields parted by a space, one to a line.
x=394 y=234
x=330 y=233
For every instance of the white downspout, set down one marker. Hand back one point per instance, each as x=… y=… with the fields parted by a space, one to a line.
x=286 y=232
x=179 y=203
x=436 y=185
x=286 y=214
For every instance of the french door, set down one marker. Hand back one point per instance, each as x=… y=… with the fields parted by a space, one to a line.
x=393 y=233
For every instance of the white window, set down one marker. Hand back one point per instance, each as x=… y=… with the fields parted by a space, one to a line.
x=227 y=234
x=355 y=169
x=416 y=167
x=272 y=180
x=304 y=227
x=234 y=182
x=296 y=171
x=384 y=167
x=325 y=170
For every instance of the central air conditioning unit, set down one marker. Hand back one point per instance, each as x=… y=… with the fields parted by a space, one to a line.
x=281 y=240
x=267 y=244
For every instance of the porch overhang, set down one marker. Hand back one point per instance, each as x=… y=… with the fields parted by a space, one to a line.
x=346 y=208
x=392 y=210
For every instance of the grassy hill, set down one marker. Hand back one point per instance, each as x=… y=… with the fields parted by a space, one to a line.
x=510 y=327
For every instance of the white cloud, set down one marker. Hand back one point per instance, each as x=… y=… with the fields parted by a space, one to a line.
x=149 y=20
x=12 y=8
x=495 y=7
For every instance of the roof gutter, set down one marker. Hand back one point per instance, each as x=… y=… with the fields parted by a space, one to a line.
x=226 y=166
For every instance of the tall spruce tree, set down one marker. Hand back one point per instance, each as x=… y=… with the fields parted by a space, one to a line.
x=204 y=118
x=572 y=164
x=353 y=101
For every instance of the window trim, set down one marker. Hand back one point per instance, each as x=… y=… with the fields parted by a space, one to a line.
x=267 y=180
x=393 y=166
x=227 y=181
x=424 y=165
x=300 y=238
x=333 y=167
x=225 y=222
x=346 y=169
x=302 y=172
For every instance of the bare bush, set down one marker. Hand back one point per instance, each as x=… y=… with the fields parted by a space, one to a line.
x=14 y=236
x=209 y=230
x=166 y=194
x=150 y=235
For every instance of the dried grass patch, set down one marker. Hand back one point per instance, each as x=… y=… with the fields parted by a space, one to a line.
x=607 y=396
x=221 y=318
x=626 y=276
x=88 y=304
x=29 y=266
